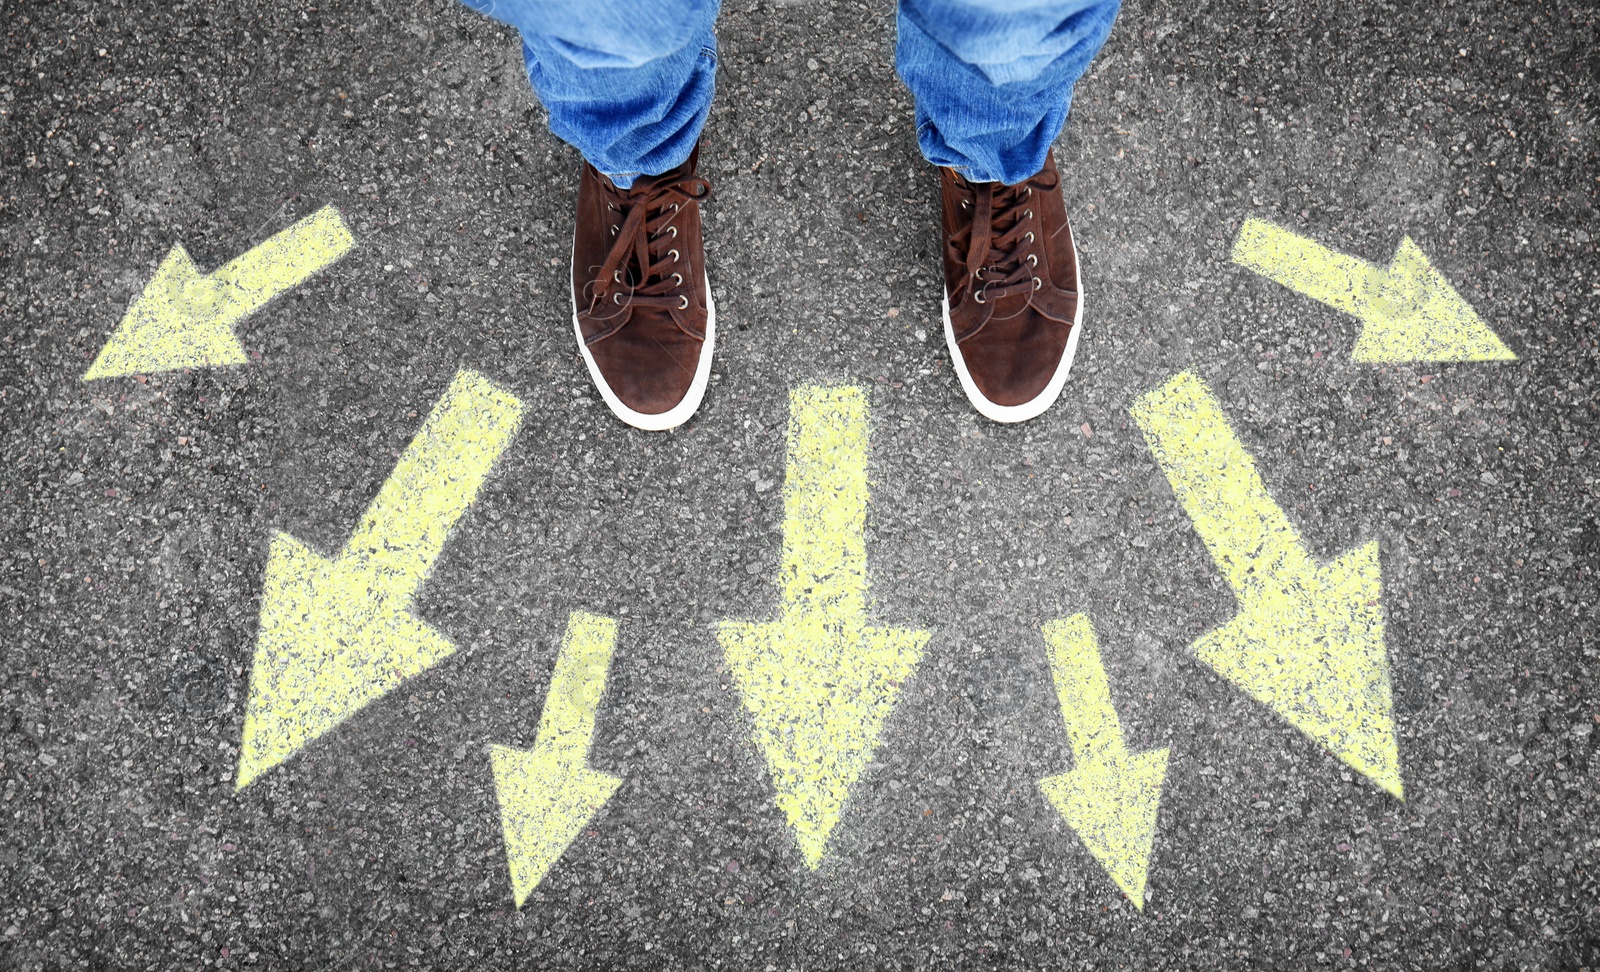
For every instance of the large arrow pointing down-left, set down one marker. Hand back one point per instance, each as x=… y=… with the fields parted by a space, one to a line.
x=337 y=634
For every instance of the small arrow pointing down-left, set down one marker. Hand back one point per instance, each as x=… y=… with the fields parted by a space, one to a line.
x=184 y=319
x=547 y=794
x=337 y=634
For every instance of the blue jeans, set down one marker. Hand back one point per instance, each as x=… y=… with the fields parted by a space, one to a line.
x=628 y=83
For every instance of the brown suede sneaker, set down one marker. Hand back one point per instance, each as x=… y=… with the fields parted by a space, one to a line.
x=641 y=302
x=1013 y=302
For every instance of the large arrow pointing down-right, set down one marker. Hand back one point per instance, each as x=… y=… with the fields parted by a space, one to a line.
x=1308 y=639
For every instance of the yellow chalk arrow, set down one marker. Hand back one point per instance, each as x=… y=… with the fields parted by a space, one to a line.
x=1111 y=796
x=1408 y=311
x=1308 y=639
x=337 y=634
x=184 y=319
x=819 y=682
x=547 y=794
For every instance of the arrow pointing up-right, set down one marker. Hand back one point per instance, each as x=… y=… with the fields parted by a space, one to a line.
x=1408 y=310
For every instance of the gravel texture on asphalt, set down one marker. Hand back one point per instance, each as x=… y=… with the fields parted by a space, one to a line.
x=136 y=514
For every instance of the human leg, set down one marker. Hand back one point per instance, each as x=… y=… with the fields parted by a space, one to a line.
x=993 y=78
x=628 y=83
x=993 y=81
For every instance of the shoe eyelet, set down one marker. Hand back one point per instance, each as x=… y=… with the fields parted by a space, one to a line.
x=683 y=302
x=1037 y=283
x=673 y=231
x=965 y=204
x=1027 y=214
x=676 y=207
x=613 y=231
x=1028 y=193
x=678 y=279
x=977 y=295
x=616 y=299
x=1033 y=261
x=1029 y=237
x=674 y=254
x=616 y=275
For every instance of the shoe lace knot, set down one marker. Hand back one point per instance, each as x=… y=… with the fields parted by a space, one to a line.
x=1000 y=247
x=645 y=265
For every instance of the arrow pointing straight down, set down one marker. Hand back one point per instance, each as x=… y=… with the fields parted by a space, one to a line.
x=1408 y=310
x=184 y=319
x=819 y=682
x=549 y=793
x=1308 y=640
x=337 y=634
x=1111 y=796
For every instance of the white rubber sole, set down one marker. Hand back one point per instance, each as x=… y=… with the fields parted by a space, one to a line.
x=1041 y=402
x=677 y=414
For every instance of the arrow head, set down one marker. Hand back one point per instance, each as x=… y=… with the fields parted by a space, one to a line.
x=1112 y=803
x=328 y=644
x=176 y=322
x=545 y=799
x=819 y=691
x=1414 y=314
x=1311 y=648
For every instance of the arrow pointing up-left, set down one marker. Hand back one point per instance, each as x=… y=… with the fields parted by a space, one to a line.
x=184 y=319
x=337 y=634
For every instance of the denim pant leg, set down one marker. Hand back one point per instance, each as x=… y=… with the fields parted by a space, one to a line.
x=993 y=78
x=628 y=83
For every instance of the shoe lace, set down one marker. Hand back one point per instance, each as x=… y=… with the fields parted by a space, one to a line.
x=998 y=246
x=644 y=266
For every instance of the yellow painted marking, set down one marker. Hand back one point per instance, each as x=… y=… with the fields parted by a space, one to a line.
x=1111 y=796
x=184 y=319
x=1308 y=639
x=1408 y=311
x=819 y=682
x=549 y=793
x=337 y=634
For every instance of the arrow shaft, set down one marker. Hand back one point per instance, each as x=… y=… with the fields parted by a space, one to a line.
x=1343 y=282
x=247 y=282
x=404 y=529
x=1214 y=477
x=566 y=726
x=1083 y=690
x=825 y=495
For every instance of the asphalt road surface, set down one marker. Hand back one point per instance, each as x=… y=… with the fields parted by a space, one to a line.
x=1442 y=814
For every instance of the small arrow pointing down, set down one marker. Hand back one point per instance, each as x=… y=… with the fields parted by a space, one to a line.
x=337 y=634
x=819 y=682
x=549 y=793
x=184 y=319
x=1408 y=310
x=1308 y=640
x=1111 y=796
